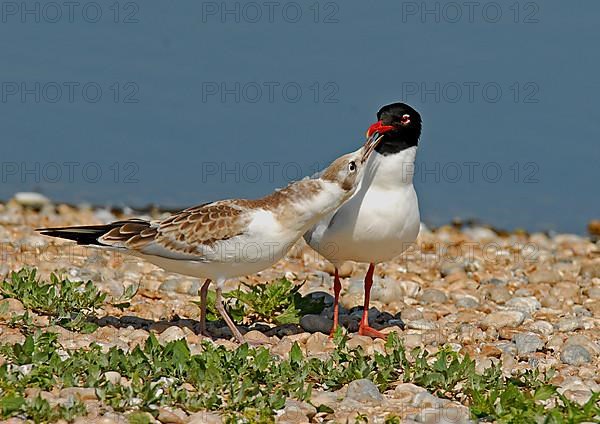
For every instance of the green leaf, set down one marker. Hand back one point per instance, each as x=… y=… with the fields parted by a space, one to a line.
x=262 y=359
x=324 y=408
x=296 y=353
x=544 y=392
x=139 y=418
x=11 y=403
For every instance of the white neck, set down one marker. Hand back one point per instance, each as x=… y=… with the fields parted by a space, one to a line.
x=311 y=209
x=391 y=171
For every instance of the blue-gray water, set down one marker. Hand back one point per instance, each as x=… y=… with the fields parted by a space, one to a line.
x=178 y=103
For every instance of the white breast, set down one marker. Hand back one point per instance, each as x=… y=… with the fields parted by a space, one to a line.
x=380 y=221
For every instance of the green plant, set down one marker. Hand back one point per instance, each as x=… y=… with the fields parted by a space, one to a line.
x=38 y=409
x=278 y=302
x=69 y=303
x=249 y=384
x=246 y=384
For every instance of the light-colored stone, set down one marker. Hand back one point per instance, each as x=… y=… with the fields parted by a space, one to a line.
x=524 y=304
x=256 y=338
x=171 y=334
x=318 y=343
x=295 y=412
x=171 y=415
x=427 y=400
x=346 y=269
x=406 y=392
x=575 y=355
x=112 y=376
x=421 y=324
x=499 y=294
x=10 y=308
x=364 y=391
x=527 y=343
x=582 y=340
x=31 y=199
x=204 y=417
x=328 y=399
x=410 y=288
x=591 y=268
x=542 y=327
x=544 y=276
x=503 y=319
x=567 y=325
x=430 y=296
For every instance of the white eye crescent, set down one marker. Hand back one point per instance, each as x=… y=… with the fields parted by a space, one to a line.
x=352 y=166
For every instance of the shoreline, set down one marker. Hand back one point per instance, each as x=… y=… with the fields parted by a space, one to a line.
x=36 y=201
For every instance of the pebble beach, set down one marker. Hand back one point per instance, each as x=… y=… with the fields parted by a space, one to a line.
x=522 y=300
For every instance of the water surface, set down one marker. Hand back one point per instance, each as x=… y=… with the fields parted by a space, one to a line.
x=178 y=103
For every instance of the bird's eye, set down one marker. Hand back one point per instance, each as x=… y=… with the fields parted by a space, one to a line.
x=352 y=166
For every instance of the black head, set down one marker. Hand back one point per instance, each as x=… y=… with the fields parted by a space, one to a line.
x=400 y=126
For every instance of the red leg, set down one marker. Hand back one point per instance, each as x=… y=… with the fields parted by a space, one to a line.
x=364 y=329
x=337 y=287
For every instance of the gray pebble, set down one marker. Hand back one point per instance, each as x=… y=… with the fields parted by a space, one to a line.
x=433 y=296
x=10 y=307
x=357 y=314
x=542 y=327
x=409 y=288
x=171 y=334
x=527 y=343
x=31 y=199
x=524 y=304
x=396 y=322
x=544 y=276
x=410 y=313
x=467 y=302
x=350 y=323
x=479 y=233
x=364 y=391
x=296 y=411
x=316 y=324
x=581 y=311
x=575 y=355
x=499 y=294
x=495 y=282
x=427 y=400
x=566 y=325
x=112 y=376
x=504 y=319
x=594 y=292
x=114 y=287
x=473 y=266
x=450 y=267
x=522 y=293
x=422 y=324
x=318 y=295
x=181 y=285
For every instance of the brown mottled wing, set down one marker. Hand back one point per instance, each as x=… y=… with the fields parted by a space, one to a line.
x=190 y=230
x=131 y=234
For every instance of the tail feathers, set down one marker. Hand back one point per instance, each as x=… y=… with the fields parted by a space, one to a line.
x=87 y=234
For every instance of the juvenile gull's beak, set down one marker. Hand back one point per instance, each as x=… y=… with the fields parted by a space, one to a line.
x=374 y=135
x=370 y=145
